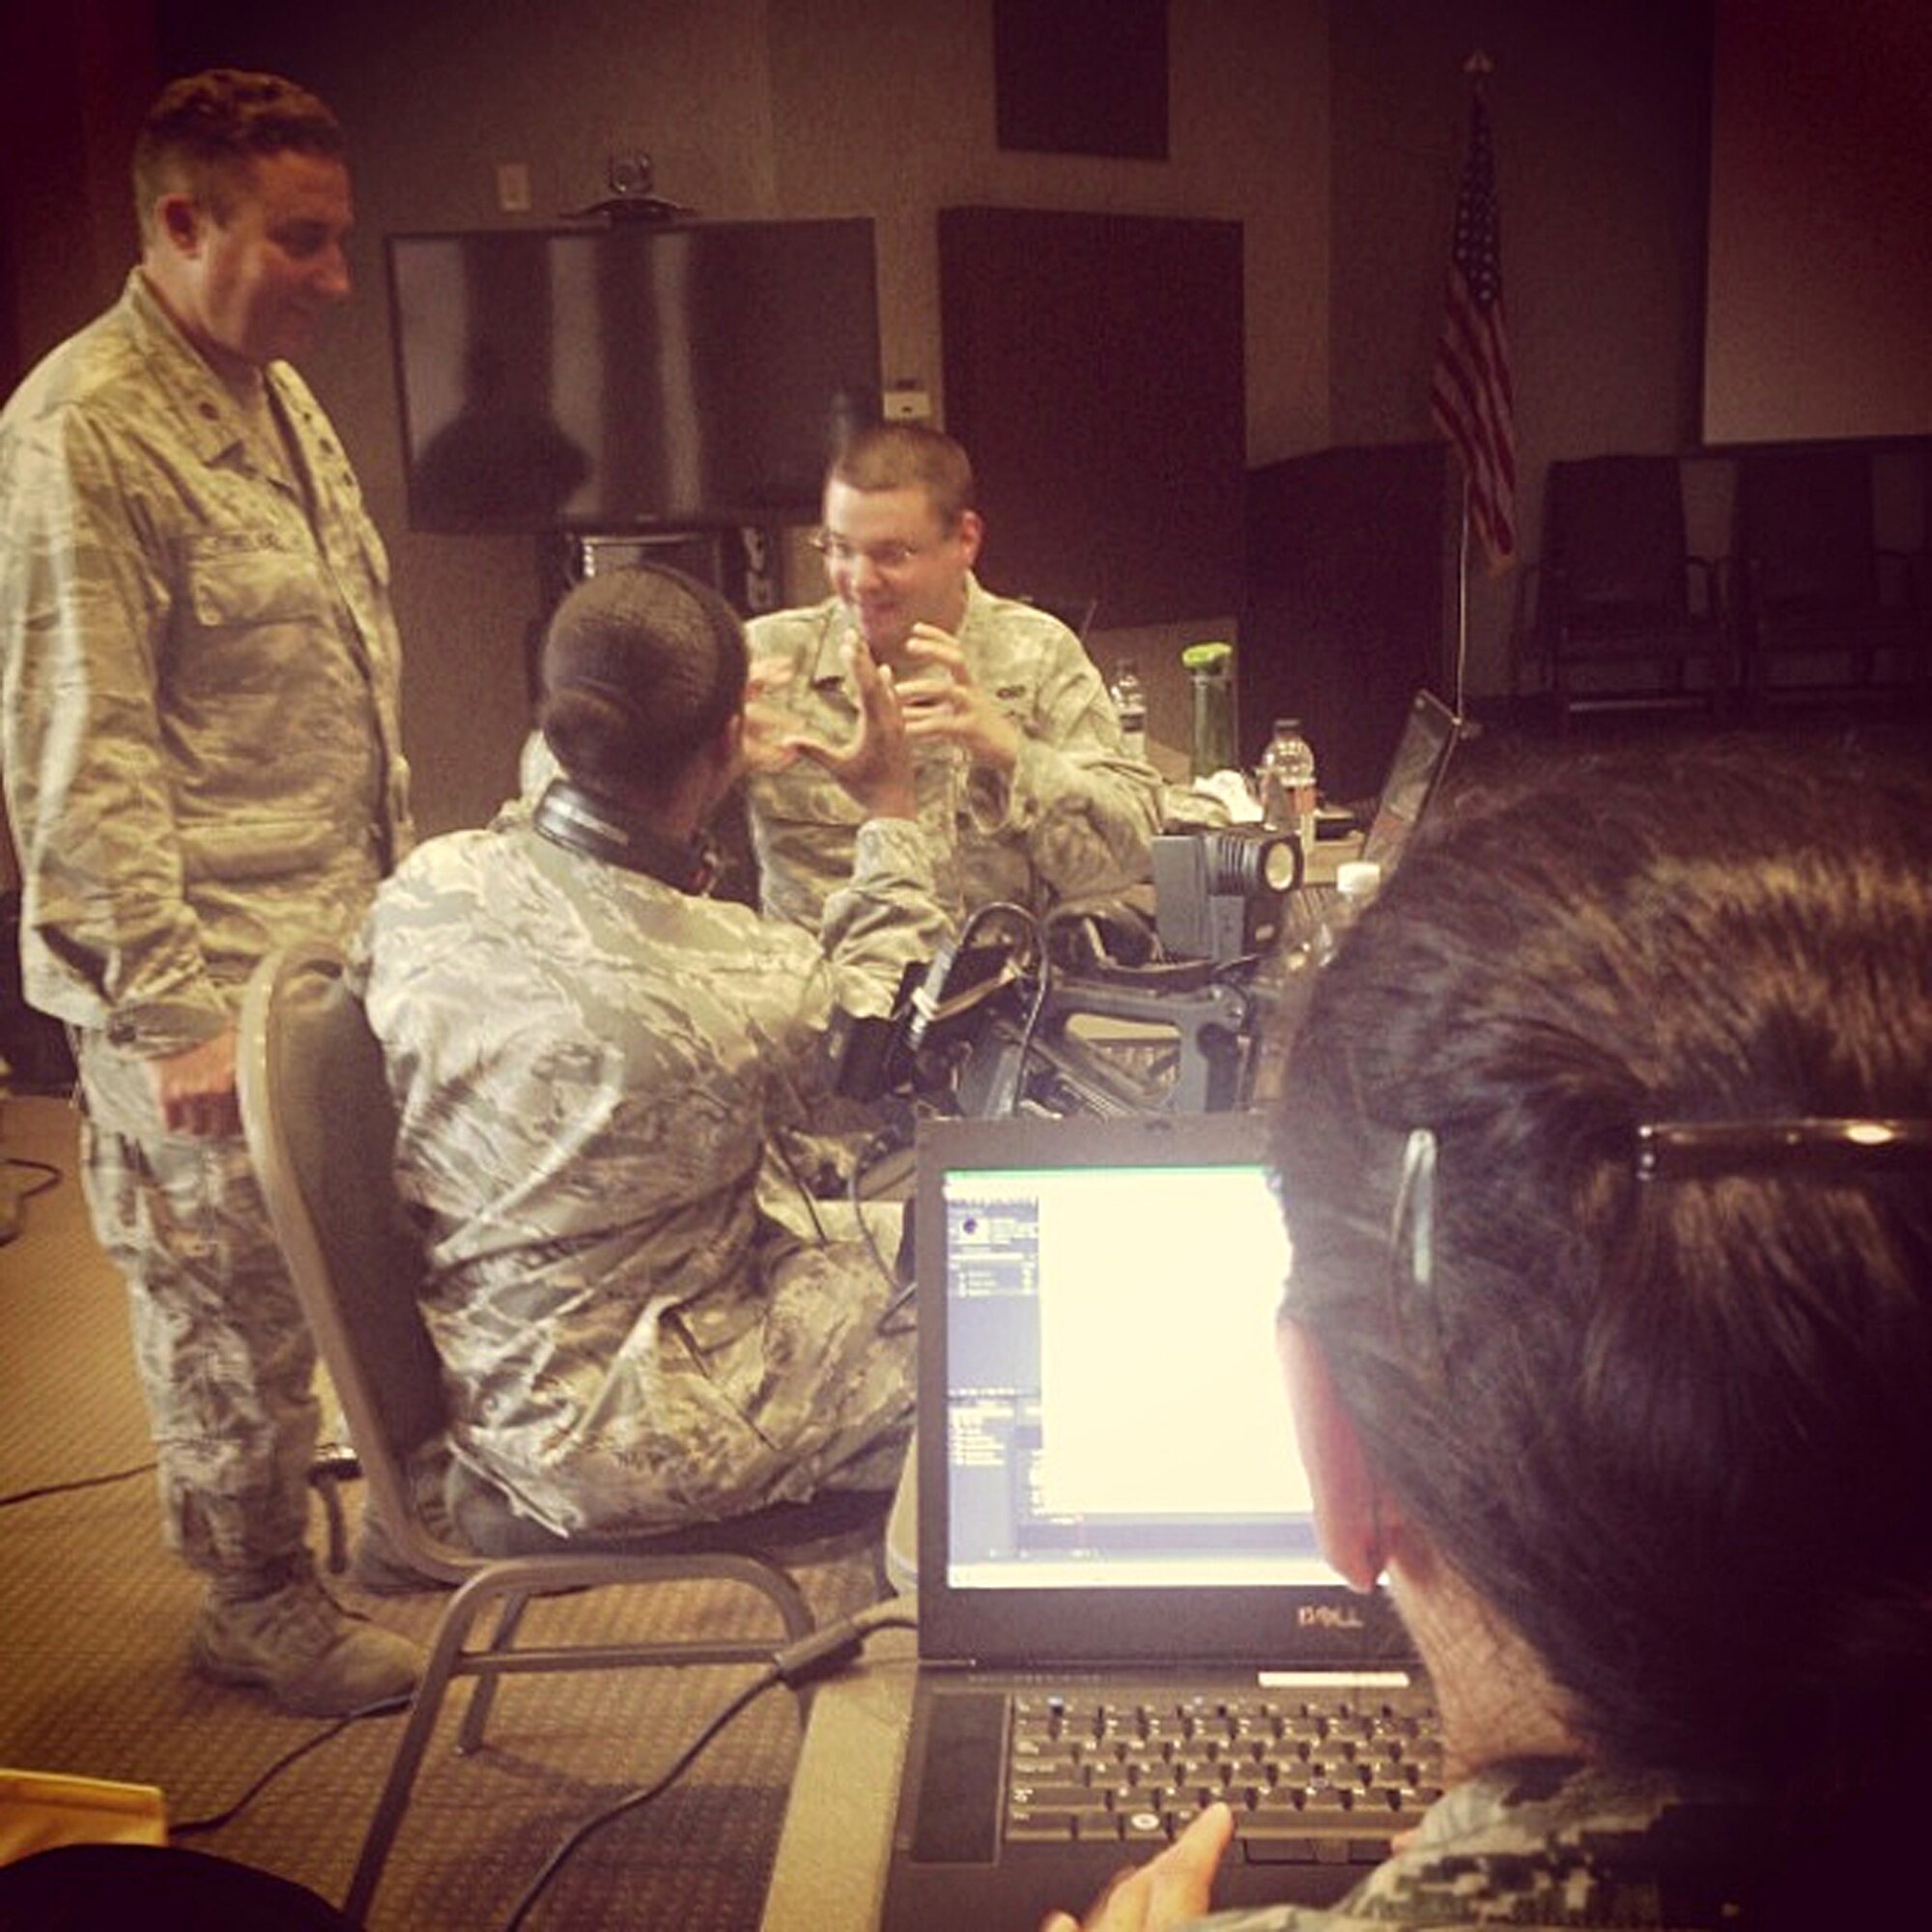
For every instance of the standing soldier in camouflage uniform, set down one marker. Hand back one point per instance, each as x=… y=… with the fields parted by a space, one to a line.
x=1025 y=786
x=202 y=761
x=1607 y=1162
x=640 y=1314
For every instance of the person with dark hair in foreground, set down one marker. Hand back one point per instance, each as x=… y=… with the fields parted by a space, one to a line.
x=201 y=740
x=1607 y=1159
x=644 y=1321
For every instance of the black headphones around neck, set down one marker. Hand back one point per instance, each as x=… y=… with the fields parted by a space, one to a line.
x=582 y=821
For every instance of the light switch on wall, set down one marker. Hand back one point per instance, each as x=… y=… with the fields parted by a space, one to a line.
x=513 y=188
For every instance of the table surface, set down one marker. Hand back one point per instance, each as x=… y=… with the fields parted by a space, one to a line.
x=830 y=1873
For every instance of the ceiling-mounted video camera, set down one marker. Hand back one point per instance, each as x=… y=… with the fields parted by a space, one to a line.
x=1219 y=894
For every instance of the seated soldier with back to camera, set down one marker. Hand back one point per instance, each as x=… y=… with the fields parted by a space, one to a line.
x=644 y=1321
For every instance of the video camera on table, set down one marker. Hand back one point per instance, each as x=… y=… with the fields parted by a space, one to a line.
x=1090 y=1013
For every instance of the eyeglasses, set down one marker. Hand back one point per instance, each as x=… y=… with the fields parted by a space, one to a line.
x=886 y=558
x=1823 y=1148
x=1677 y=1150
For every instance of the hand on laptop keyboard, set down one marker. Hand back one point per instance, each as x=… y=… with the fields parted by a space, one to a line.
x=1307 y=1779
x=1169 y=1889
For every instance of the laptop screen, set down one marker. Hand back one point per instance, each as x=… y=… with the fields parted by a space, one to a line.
x=1116 y=1439
x=1429 y=736
x=1114 y=1412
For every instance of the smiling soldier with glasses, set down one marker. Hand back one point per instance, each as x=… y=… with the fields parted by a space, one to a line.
x=1026 y=789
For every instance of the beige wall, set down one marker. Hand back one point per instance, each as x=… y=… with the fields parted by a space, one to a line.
x=787 y=109
x=1331 y=131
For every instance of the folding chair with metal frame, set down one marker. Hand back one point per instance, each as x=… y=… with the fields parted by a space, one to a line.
x=321 y=1129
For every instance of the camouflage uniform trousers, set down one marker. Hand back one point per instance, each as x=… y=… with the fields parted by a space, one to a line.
x=226 y=1361
x=850 y=1337
x=817 y=1395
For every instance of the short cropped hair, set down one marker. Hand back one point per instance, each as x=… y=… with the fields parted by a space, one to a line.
x=206 y=127
x=1674 y=1431
x=641 y=667
x=908 y=456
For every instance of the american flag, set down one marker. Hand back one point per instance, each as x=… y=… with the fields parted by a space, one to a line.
x=1469 y=394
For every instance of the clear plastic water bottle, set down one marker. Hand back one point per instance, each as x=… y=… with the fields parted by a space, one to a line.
x=1130 y=702
x=1356 y=883
x=1286 y=783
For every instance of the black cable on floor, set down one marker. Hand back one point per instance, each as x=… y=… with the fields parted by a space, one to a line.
x=17 y=1197
x=79 y=1483
x=190 y=1828
x=766 y=1680
x=50 y=1175
x=815 y=1655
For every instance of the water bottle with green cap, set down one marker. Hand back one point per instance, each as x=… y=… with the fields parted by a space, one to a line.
x=1211 y=668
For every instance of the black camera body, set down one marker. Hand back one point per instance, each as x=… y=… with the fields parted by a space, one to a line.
x=1017 y=1016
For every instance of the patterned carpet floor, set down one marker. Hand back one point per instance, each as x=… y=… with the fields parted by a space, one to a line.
x=94 y=1619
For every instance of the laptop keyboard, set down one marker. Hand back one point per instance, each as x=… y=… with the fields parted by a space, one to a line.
x=1309 y=1779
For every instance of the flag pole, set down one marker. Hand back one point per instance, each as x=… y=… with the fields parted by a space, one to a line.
x=1462 y=592
x=1474 y=69
x=1477 y=68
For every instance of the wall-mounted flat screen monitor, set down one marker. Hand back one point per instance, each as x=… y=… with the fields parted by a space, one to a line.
x=634 y=376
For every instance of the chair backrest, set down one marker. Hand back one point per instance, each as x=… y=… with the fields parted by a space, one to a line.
x=1807 y=529
x=1614 y=543
x=322 y=1132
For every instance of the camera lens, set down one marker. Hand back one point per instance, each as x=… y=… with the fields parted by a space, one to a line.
x=1247 y=860
x=629 y=174
x=1278 y=865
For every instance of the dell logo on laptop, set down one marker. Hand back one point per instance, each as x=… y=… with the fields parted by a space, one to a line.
x=1328 y=1616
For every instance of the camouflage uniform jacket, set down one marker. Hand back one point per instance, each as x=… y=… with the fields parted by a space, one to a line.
x=595 y=1075
x=1072 y=820
x=1547 y=1843
x=200 y=680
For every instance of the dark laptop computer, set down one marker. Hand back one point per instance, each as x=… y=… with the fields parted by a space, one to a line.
x=1415 y=773
x=1118 y=1588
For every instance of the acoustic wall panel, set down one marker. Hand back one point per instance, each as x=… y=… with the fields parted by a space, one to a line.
x=1094 y=371
x=1350 y=604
